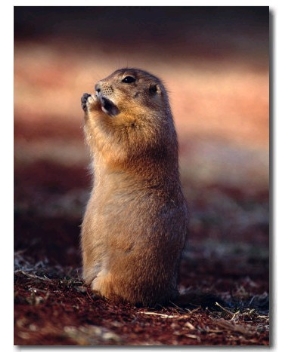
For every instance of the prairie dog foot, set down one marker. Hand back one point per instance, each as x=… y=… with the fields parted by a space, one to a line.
x=102 y=284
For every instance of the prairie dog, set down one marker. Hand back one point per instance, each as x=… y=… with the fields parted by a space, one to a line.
x=134 y=226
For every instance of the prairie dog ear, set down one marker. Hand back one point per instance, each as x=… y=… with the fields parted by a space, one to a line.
x=154 y=89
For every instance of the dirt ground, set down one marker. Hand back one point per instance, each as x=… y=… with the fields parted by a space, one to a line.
x=214 y=63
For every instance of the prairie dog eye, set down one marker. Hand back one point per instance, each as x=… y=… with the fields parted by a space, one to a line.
x=128 y=79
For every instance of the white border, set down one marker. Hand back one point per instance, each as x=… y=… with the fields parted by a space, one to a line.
x=285 y=157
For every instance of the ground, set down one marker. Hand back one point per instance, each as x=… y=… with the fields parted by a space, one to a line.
x=221 y=108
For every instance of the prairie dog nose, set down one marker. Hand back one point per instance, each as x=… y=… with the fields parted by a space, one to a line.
x=97 y=88
x=103 y=88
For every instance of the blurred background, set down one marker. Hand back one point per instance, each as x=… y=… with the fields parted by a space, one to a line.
x=214 y=62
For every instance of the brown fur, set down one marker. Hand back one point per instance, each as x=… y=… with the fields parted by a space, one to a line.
x=134 y=227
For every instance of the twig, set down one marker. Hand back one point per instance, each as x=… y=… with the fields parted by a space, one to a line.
x=160 y=315
x=225 y=310
x=32 y=276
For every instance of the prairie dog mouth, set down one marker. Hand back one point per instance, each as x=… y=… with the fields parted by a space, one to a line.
x=107 y=105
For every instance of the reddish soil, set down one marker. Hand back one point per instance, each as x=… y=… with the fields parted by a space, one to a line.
x=221 y=113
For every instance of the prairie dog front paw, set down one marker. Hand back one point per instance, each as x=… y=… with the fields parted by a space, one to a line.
x=90 y=102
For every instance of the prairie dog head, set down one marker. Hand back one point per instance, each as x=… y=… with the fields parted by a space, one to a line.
x=132 y=96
